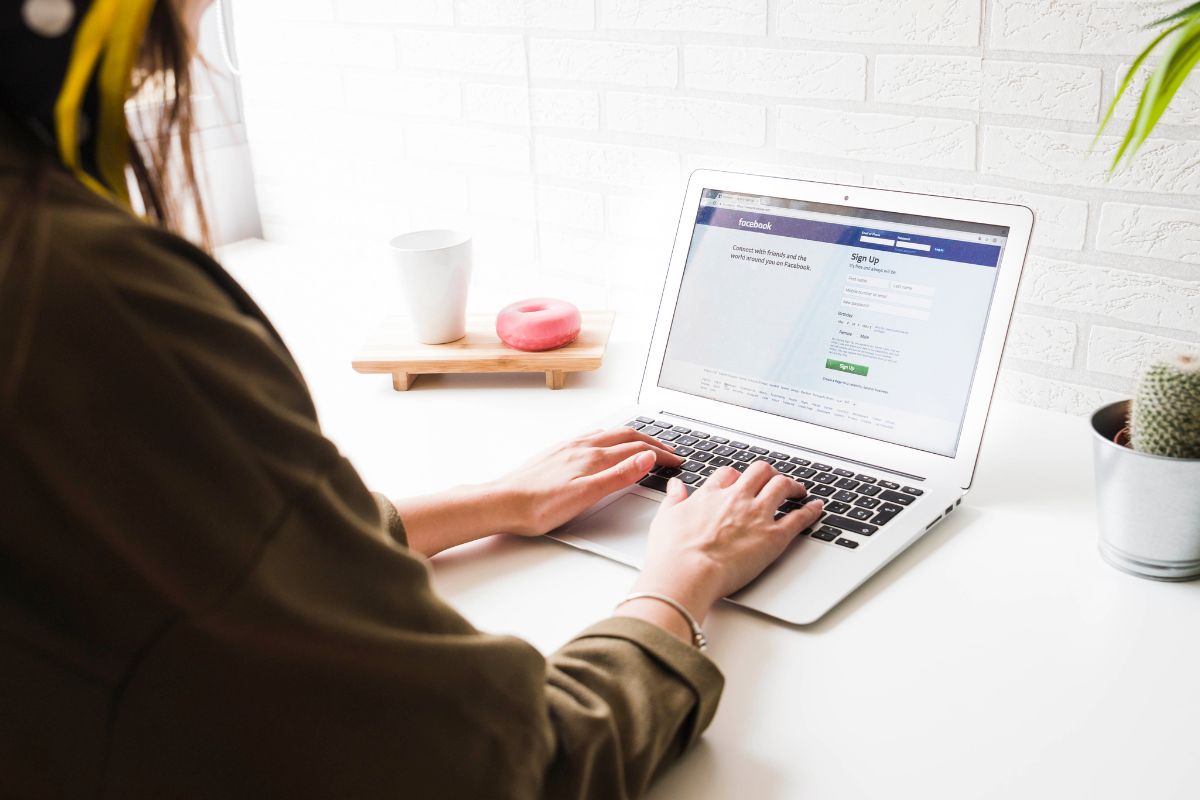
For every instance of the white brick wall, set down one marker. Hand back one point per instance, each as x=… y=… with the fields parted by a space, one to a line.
x=1040 y=89
x=1094 y=27
x=687 y=117
x=597 y=62
x=712 y=16
x=561 y=132
x=947 y=81
x=916 y=22
x=817 y=75
x=888 y=138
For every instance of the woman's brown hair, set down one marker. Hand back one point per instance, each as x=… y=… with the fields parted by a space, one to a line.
x=161 y=144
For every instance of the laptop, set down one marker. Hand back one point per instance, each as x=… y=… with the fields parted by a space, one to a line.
x=850 y=337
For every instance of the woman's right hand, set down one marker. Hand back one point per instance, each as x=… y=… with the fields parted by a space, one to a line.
x=710 y=544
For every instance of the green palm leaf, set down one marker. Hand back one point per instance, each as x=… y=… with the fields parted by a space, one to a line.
x=1181 y=55
x=1180 y=14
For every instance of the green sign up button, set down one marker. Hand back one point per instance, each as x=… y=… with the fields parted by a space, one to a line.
x=843 y=366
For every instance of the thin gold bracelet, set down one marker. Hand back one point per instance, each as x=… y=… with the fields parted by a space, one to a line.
x=698 y=637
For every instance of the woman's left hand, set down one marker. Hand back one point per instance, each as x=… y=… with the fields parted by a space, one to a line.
x=556 y=486
x=546 y=492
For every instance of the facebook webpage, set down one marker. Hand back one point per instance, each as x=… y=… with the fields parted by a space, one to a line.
x=862 y=321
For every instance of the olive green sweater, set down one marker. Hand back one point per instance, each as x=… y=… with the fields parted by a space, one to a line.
x=199 y=597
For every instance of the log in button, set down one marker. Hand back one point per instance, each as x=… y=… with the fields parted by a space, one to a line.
x=845 y=366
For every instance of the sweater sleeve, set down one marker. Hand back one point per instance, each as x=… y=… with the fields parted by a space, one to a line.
x=332 y=668
x=392 y=525
x=626 y=699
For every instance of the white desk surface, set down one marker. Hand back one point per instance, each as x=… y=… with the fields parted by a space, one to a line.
x=998 y=658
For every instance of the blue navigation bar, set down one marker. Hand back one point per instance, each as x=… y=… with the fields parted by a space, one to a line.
x=909 y=244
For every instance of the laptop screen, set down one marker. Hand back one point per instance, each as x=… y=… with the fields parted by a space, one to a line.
x=863 y=321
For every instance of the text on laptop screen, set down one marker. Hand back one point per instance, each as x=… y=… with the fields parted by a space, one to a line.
x=863 y=321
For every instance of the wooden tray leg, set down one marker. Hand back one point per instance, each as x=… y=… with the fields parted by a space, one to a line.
x=556 y=378
x=402 y=381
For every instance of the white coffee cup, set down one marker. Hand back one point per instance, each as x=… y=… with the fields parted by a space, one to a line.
x=435 y=269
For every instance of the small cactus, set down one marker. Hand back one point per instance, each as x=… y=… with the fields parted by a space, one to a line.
x=1165 y=417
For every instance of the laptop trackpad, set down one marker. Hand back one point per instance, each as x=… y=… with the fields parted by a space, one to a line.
x=617 y=531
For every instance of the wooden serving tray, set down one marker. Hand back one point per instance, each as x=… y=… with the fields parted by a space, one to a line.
x=390 y=350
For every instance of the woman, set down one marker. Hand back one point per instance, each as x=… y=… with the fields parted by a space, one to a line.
x=198 y=596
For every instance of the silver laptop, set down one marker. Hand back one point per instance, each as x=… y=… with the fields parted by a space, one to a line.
x=850 y=337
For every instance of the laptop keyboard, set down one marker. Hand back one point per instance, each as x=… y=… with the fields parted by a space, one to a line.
x=856 y=504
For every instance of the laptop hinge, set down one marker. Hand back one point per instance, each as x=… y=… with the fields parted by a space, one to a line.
x=797 y=446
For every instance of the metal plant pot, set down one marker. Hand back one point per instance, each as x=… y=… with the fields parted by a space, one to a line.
x=1149 y=505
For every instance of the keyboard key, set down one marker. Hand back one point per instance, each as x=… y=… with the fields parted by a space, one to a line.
x=701 y=457
x=683 y=452
x=689 y=477
x=784 y=467
x=846 y=483
x=861 y=514
x=870 y=491
x=843 y=473
x=720 y=461
x=808 y=484
x=864 y=478
x=796 y=502
x=837 y=507
x=739 y=445
x=743 y=455
x=866 y=502
x=709 y=470
x=686 y=440
x=888 y=508
x=847 y=543
x=718 y=439
x=667 y=472
x=852 y=525
x=652 y=431
x=633 y=423
x=767 y=459
x=822 y=466
x=655 y=482
x=775 y=454
x=806 y=472
x=913 y=491
x=680 y=429
x=804 y=462
x=668 y=436
x=823 y=491
x=826 y=534
x=759 y=451
x=725 y=450
x=824 y=477
x=691 y=466
x=842 y=496
x=645 y=420
x=896 y=497
x=889 y=485
x=882 y=518
x=706 y=446
x=700 y=434
x=740 y=466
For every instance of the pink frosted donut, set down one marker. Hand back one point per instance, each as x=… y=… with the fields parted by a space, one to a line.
x=540 y=323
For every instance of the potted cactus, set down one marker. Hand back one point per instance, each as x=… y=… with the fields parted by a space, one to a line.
x=1148 y=450
x=1147 y=455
